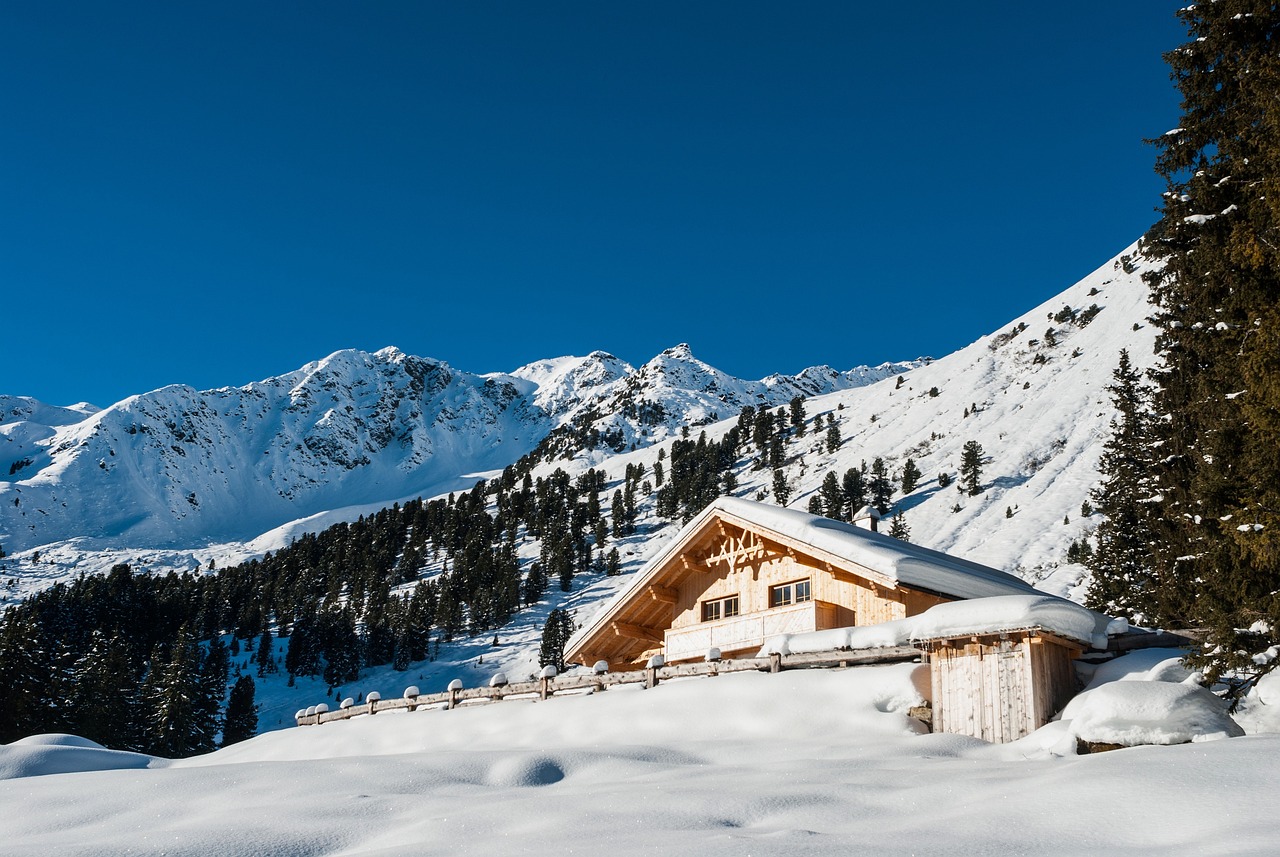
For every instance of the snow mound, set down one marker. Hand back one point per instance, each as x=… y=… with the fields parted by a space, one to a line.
x=41 y=755
x=1144 y=665
x=1150 y=712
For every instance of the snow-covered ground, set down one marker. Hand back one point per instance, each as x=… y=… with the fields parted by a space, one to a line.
x=799 y=763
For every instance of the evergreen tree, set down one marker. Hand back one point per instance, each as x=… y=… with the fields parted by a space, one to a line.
x=832 y=497
x=854 y=486
x=1122 y=583
x=833 y=435
x=898 y=528
x=176 y=702
x=1215 y=447
x=797 y=415
x=555 y=634
x=971 y=468
x=781 y=490
x=241 y=721
x=264 y=657
x=880 y=487
x=910 y=474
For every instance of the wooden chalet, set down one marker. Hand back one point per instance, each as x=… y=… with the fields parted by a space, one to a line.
x=742 y=572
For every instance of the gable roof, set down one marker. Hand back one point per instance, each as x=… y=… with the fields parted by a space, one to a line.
x=890 y=562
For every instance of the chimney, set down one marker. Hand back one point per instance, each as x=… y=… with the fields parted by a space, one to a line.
x=868 y=519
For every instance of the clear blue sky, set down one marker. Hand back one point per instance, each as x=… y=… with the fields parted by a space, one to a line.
x=213 y=193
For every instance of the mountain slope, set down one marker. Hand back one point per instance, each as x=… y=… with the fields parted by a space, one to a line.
x=175 y=470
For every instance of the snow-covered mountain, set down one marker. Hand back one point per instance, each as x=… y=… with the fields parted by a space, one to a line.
x=177 y=469
x=180 y=479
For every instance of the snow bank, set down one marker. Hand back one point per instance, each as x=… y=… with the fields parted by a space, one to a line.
x=976 y=616
x=810 y=762
x=41 y=755
x=1149 y=712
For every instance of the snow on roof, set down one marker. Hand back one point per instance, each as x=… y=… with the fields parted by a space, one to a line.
x=898 y=561
x=977 y=616
x=913 y=565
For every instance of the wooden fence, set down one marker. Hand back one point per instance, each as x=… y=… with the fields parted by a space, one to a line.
x=596 y=682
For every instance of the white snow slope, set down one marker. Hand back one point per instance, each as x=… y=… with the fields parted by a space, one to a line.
x=817 y=762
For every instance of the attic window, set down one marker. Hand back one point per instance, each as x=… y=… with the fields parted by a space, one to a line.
x=789 y=593
x=721 y=608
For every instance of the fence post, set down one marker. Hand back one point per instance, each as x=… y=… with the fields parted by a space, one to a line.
x=713 y=658
x=600 y=669
x=411 y=696
x=775 y=662
x=651 y=671
x=455 y=687
x=372 y=700
x=547 y=674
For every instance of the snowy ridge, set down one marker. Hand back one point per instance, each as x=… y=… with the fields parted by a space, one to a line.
x=177 y=477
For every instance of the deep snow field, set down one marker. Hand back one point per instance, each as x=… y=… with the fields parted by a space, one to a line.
x=798 y=763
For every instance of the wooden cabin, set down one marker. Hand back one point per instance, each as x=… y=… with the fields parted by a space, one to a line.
x=1000 y=686
x=742 y=572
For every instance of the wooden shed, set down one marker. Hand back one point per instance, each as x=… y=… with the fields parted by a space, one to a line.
x=742 y=572
x=1000 y=686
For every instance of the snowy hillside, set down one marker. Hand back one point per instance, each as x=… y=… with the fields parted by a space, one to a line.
x=810 y=762
x=1039 y=409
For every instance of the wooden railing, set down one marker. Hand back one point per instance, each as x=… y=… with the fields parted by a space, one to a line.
x=595 y=682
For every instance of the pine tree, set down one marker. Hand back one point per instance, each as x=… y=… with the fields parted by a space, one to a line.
x=880 y=487
x=854 y=487
x=971 y=468
x=833 y=436
x=910 y=474
x=241 y=721
x=898 y=528
x=555 y=634
x=781 y=490
x=797 y=415
x=1122 y=583
x=832 y=497
x=1215 y=447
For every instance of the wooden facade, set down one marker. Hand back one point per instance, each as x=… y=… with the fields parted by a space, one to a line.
x=1000 y=687
x=730 y=582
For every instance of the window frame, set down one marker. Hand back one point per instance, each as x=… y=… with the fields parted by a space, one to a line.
x=790 y=593
x=725 y=607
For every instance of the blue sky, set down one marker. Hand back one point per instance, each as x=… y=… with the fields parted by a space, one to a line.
x=212 y=193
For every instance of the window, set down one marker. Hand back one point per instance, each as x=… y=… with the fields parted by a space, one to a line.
x=721 y=608
x=789 y=593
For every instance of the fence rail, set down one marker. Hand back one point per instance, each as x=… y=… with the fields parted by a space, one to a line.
x=544 y=688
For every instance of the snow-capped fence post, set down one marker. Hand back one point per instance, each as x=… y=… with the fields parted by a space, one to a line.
x=372 y=700
x=497 y=686
x=455 y=688
x=713 y=658
x=651 y=671
x=775 y=662
x=545 y=677
x=600 y=669
x=411 y=697
x=322 y=708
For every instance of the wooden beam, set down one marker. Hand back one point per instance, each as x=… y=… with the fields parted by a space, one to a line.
x=637 y=632
x=665 y=594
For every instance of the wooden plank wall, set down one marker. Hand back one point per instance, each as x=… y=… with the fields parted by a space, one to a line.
x=1000 y=690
